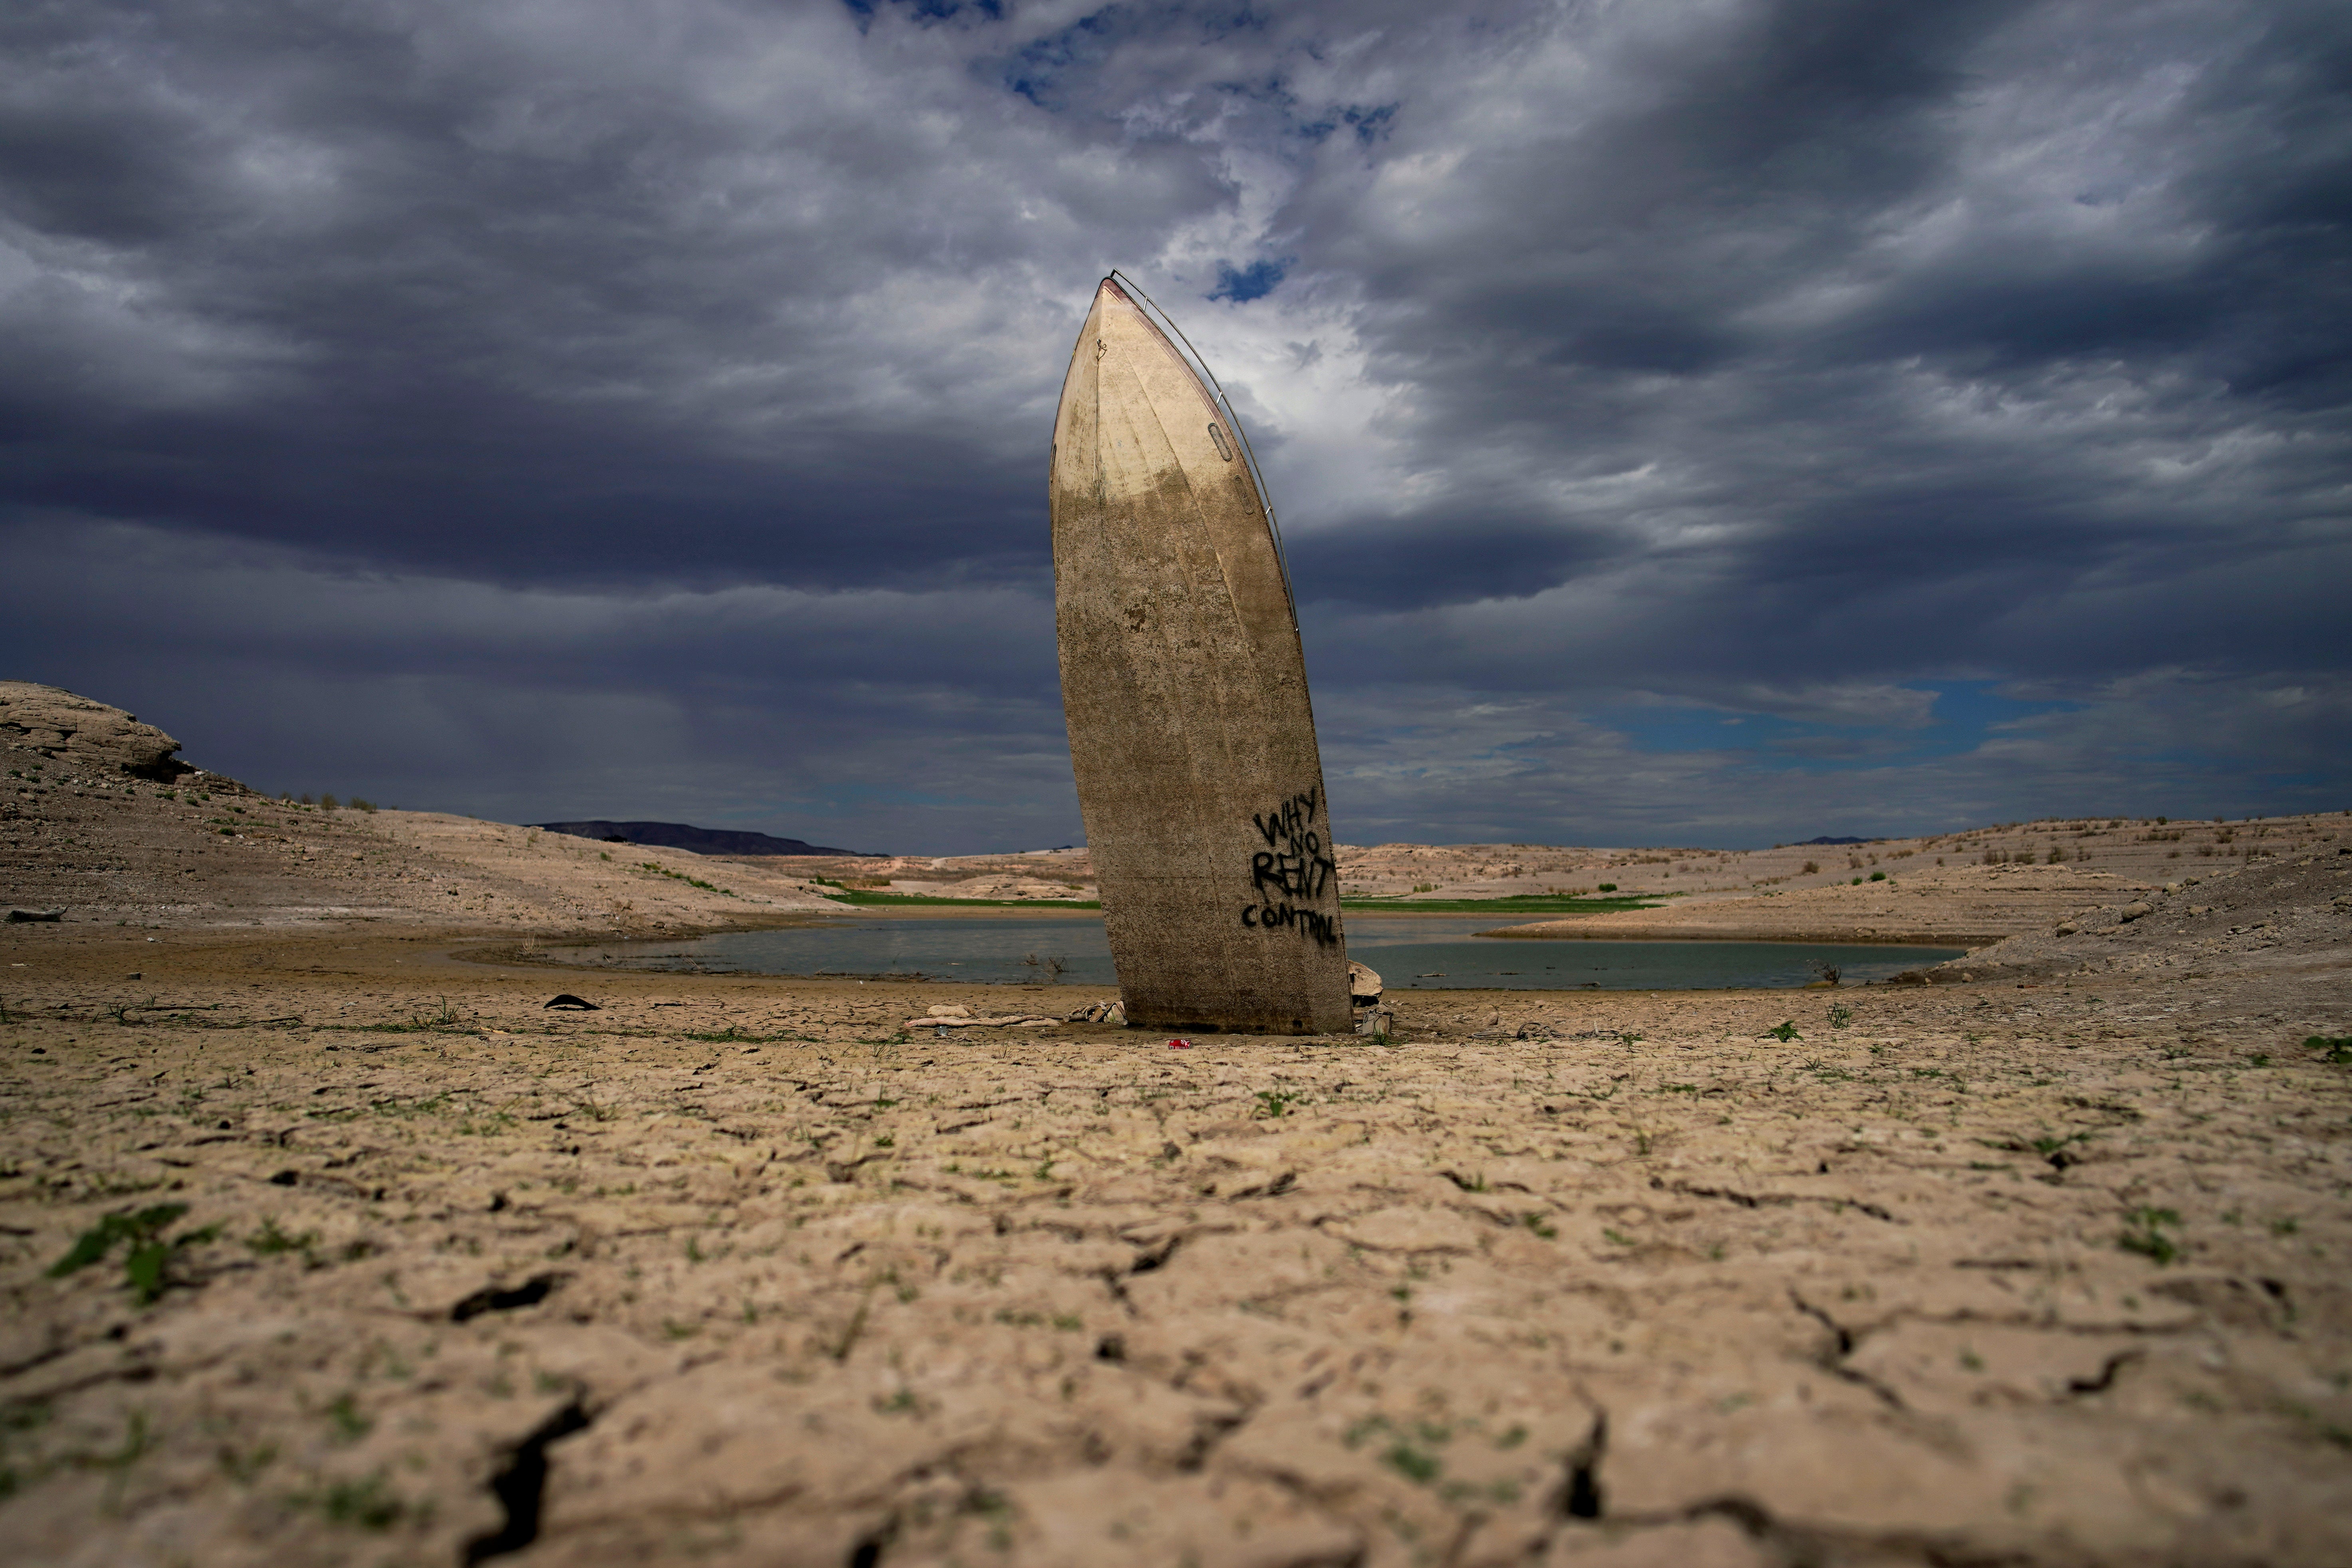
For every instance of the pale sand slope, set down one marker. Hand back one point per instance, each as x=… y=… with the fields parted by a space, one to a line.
x=2128 y=849
x=1968 y=888
x=208 y=854
x=1978 y=904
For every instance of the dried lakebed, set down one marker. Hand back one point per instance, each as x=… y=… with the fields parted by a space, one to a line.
x=732 y=1272
x=1412 y=953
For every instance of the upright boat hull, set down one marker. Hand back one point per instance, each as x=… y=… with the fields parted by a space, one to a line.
x=1185 y=691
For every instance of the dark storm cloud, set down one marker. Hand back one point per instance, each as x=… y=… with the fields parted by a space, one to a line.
x=876 y=713
x=502 y=292
x=1462 y=556
x=1687 y=421
x=1932 y=342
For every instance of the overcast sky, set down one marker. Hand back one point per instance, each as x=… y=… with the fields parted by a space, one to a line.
x=1704 y=424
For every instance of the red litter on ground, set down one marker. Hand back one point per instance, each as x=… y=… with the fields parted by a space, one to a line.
x=1179 y=1044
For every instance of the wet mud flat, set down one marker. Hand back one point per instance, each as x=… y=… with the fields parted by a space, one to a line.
x=384 y=1261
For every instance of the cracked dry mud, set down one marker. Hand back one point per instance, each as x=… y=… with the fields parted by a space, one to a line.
x=735 y=1271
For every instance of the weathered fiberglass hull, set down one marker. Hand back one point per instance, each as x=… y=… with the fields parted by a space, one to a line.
x=1185 y=691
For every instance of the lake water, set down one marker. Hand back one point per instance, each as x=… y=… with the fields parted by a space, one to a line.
x=1411 y=953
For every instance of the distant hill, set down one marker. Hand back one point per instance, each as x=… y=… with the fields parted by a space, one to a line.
x=701 y=840
x=1809 y=843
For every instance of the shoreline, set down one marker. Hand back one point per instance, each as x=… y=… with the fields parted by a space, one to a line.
x=1969 y=942
x=603 y=958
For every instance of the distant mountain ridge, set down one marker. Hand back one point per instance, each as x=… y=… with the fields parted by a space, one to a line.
x=701 y=840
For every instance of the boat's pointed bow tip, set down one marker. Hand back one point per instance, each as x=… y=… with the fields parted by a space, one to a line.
x=1109 y=288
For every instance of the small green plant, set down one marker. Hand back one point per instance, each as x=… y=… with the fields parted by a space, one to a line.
x=1534 y=1220
x=1275 y=1102
x=1839 y=1014
x=366 y=1504
x=346 y=1417
x=1412 y=1463
x=2337 y=1048
x=1785 y=1031
x=244 y=1466
x=2048 y=1146
x=2144 y=1232
x=1878 y=875
x=658 y=870
x=269 y=1241
x=147 y=1262
x=1608 y=886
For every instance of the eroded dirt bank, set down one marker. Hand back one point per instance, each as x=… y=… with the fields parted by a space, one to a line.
x=740 y=1270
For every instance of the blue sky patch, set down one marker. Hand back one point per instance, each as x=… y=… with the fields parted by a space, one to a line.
x=1965 y=715
x=1255 y=281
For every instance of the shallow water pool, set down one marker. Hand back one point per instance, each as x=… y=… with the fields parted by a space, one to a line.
x=1411 y=952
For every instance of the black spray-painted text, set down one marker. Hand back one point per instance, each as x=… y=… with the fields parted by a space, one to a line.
x=1296 y=867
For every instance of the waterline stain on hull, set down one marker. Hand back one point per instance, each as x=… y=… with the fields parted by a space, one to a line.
x=1185 y=691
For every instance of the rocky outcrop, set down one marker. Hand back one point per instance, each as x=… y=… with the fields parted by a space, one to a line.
x=89 y=736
